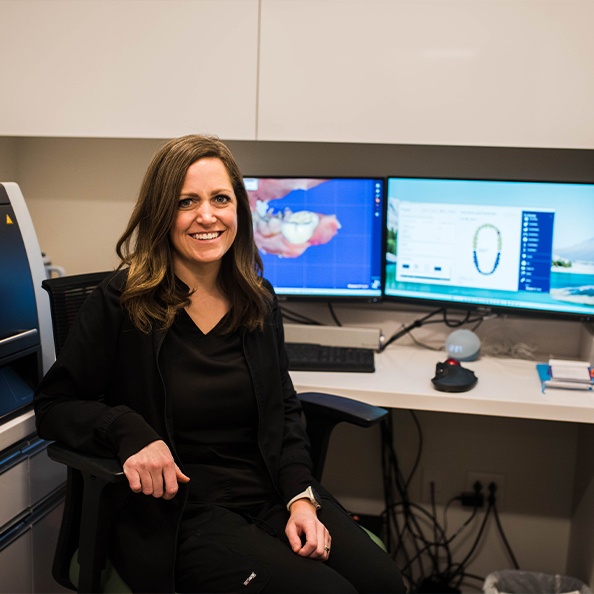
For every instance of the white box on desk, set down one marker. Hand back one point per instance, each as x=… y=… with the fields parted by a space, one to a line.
x=368 y=338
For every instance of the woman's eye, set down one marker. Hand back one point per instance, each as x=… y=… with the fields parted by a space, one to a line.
x=185 y=203
x=222 y=199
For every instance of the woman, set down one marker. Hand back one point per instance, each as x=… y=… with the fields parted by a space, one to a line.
x=176 y=365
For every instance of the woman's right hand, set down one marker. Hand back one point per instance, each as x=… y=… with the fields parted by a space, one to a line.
x=153 y=471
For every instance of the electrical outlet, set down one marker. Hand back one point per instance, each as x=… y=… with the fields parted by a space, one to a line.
x=485 y=479
x=432 y=476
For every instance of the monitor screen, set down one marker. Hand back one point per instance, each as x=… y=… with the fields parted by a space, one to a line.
x=523 y=246
x=320 y=237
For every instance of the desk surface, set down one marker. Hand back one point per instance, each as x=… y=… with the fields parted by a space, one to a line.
x=505 y=388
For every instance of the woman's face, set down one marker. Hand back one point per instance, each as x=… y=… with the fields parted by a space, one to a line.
x=206 y=222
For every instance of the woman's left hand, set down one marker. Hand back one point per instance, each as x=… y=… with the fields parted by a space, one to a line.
x=307 y=536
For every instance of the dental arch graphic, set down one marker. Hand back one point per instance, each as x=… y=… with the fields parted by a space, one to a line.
x=486 y=242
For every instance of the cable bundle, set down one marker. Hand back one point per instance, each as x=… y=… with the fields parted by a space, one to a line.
x=415 y=537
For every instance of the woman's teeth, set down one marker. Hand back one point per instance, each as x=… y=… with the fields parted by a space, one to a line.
x=206 y=236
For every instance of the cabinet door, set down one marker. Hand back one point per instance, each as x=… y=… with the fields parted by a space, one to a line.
x=14 y=491
x=146 y=69
x=501 y=72
x=15 y=562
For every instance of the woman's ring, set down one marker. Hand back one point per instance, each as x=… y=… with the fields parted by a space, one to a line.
x=327 y=549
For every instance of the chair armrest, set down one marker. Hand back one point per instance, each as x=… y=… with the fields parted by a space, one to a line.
x=324 y=411
x=87 y=513
x=339 y=408
x=107 y=469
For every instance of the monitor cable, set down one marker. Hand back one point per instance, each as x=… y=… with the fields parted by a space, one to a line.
x=426 y=319
x=298 y=318
x=333 y=314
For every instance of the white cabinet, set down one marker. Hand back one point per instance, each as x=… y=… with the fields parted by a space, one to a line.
x=112 y=68
x=31 y=492
x=444 y=72
x=491 y=73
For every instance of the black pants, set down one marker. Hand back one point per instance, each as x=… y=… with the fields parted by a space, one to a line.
x=225 y=551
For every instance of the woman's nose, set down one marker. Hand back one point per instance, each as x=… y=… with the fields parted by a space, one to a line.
x=205 y=213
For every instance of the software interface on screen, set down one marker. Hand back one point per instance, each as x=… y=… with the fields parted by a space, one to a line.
x=521 y=245
x=319 y=237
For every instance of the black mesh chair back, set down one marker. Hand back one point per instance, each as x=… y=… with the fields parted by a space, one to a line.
x=85 y=521
x=67 y=294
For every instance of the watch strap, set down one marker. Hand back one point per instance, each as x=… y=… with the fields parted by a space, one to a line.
x=308 y=494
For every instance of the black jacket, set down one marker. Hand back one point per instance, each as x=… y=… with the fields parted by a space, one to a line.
x=105 y=396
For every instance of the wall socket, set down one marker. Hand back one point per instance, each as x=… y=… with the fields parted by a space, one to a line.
x=436 y=476
x=486 y=478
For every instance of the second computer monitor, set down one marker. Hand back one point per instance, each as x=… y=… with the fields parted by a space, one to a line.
x=526 y=247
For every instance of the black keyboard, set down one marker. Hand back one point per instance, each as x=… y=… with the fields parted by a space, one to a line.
x=315 y=357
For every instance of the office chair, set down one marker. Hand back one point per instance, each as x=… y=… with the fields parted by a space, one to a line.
x=91 y=481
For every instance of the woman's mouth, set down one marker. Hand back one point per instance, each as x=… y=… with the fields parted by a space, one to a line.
x=206 y=236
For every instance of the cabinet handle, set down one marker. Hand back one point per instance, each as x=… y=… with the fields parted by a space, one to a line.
x=18 y=336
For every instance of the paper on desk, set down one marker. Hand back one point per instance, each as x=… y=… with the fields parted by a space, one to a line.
x=544 y=374
x=570 y=371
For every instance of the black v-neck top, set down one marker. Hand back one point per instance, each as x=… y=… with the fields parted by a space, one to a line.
x=215 y=415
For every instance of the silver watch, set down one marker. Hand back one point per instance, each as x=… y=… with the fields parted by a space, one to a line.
x=309 y=493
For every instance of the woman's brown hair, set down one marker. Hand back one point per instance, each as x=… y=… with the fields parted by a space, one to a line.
x=152 y=295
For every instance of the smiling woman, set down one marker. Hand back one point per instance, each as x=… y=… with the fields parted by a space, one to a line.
x=177 y=366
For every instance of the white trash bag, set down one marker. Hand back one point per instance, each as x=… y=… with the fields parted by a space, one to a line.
x=512 y=581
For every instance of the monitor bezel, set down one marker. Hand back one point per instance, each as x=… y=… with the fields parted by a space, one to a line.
x=476 y=308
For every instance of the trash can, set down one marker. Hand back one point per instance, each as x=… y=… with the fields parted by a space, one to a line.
x=513 y=581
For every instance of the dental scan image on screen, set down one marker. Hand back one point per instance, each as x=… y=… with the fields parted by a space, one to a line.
x=319 y=237
x=525 y=246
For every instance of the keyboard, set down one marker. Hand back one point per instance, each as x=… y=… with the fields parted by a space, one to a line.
x=316 y=357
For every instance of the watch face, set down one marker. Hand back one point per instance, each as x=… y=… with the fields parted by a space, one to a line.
x=316 y=498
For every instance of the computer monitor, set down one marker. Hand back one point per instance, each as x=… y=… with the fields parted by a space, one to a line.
x=320 y=238
x=522 y=246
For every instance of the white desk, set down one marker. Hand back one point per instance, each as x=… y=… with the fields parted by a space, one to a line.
x=505 y=388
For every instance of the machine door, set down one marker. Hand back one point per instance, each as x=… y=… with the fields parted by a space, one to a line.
x=18 y=311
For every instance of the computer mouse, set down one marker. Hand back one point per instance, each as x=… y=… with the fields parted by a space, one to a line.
x=450 y=376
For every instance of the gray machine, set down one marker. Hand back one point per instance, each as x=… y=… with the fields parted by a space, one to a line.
x=31 y=485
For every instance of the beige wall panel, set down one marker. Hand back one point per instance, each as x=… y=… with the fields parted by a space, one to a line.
x=80 y=194
x=8 y=159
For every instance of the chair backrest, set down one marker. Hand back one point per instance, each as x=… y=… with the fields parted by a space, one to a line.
x=86 y=516
x=67 y=294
